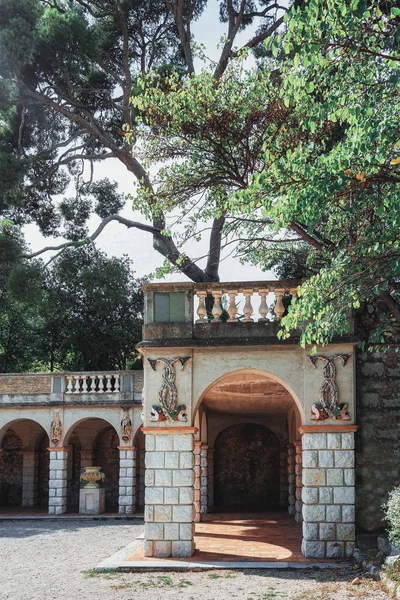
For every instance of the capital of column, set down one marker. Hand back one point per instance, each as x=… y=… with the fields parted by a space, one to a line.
x=168 y=430
x=126 y=447
x=328 y=428
x=58 y=449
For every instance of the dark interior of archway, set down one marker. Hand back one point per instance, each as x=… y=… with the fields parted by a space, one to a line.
x=246 y=468
x=11 y=470
x=106 y=455
x=74 y=472
x=43 y=471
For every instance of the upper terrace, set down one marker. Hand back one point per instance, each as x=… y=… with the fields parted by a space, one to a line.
x=199 y=314
x=207 y=313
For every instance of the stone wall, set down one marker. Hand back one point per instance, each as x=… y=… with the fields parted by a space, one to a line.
x=378 y=437
x=328 y=493
x=169 y=510
x=11 y=459
x=246 y=468
x=106 y=455
x=20 y=383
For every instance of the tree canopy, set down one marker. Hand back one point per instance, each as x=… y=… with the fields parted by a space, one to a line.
x=300 y=158
x=67 y=71
x=83 y=312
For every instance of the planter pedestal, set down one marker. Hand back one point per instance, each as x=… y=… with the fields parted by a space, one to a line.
x=91 y=501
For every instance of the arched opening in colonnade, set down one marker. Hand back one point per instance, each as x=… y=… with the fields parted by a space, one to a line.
x=92 y=442
x=248 y=435
x=24 y=466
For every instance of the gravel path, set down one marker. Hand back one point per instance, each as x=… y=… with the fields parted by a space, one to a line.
x=53 y=560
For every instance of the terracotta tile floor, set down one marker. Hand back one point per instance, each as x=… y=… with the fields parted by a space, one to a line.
x=272 y=536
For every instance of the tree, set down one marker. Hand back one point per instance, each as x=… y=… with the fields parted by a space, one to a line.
x=92 y=312
x=84 y=311
x=301 y=158
x=65 y=88
x=341 y=77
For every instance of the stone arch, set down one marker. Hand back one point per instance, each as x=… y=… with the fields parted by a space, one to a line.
x=265 y=374
x=246 y=464
x=23 y=426
x=24 y=464
x=92 y=441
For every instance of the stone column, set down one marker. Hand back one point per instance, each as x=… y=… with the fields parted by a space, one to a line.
x=87 y=458
x=29 y=478
x=328 y=491
x=291 y=457
x=58 y=481
x=127 y=480
x=210 y=478
x=197 y=481
x=169 y=494
x=283 y=478
x=298 y=517
x=204 y=480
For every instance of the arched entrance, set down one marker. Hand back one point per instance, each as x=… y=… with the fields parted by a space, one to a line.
x=24 y=466
x=246 y=468
x=249 y=439
x=92 y=442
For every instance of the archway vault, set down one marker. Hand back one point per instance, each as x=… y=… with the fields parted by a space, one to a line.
x=250 y=391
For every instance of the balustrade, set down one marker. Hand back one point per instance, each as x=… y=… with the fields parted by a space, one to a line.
x=244 y=304
x=92 y=383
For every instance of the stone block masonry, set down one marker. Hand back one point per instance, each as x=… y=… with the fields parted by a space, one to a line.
x=169 y=493
x=127 y=480
x=328 y=491
x=58 y=481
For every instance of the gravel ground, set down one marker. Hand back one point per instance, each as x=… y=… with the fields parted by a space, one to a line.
x=53 y=560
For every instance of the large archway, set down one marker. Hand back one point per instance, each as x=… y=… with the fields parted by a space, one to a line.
x=92 y=442
x=249 y=437
x=24 y=466
x=246 y=468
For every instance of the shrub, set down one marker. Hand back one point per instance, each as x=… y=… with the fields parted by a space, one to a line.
x=392 y=514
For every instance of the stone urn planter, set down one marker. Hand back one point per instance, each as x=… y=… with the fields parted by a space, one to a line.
x=93 y=476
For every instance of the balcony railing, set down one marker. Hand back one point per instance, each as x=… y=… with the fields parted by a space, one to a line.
x=92 y=383
x=243 y=302
x=206 y=311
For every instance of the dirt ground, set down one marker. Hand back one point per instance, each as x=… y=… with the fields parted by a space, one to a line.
x=54 y=560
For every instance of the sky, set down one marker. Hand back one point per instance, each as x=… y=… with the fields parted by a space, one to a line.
x=117 y=240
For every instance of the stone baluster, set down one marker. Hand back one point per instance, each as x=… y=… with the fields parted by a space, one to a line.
x=77 y=380
x=217 y=308
x=232 y=310
x=69 y=387
x=197 y=480
x=248 y=309
x=86 y=383
x=298 y=517
x=108 y=383
x=117 y=383
x=92 y=387
x=263 y=310
x=293 y=293
x=291 y=479
x=201 y=309
x=204 y=480
x=279 y=308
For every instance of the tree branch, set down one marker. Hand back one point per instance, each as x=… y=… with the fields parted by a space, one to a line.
x=391 y=303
